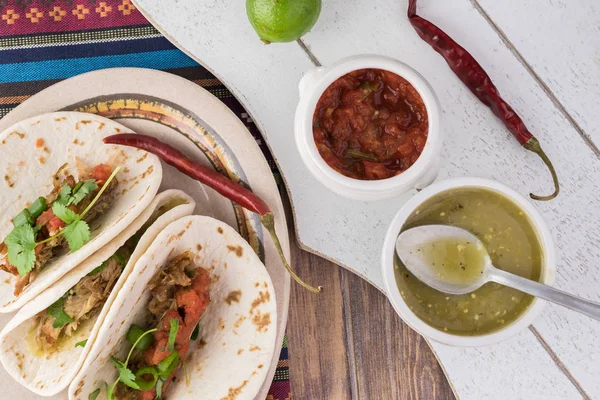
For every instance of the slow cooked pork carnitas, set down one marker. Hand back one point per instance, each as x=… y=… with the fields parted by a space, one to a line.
x=57 y=223
x=81 y=303
x=179 y=297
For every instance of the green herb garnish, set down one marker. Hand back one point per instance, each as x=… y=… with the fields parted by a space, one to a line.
x=64 y=195
x=125 y=374
x=135 y=333
x=94 y=394
x=80 y=193
x=57 y=310
x=38 y=207
x=23 y=218
x=77 y=231
x=141 y=377
x=21 y=241
x=159 y=385
x=174 y=322
x=81 y=344
x=168 y=365
x=21 y=248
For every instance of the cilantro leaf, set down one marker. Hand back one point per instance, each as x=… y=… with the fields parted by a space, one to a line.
x=21 y=248
x=125 y=374
x=159 y=386
x=65 y=215
x=64 y=195
x=77 y=234
x=81 y=344
x=86 y=188
x=94 y=394
x=174 y=322
x=57 y=310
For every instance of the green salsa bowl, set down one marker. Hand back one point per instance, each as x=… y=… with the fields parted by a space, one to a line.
x=517 y=240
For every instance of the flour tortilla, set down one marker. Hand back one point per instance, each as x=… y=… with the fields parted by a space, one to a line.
x=237 y=337
x=49 y=375
x=32 y=151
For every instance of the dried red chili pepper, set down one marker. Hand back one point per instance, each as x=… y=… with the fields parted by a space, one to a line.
x=232 y=190
x=472 y=74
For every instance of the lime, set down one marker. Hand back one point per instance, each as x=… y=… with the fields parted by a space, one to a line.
x=282 y=20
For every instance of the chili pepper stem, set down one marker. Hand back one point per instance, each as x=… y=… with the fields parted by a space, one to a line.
x=534 y=146
x=268 y=221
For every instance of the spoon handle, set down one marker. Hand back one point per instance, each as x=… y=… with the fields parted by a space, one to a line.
x=546 y=292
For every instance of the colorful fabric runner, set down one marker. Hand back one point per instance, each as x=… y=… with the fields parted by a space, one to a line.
x=45 y=41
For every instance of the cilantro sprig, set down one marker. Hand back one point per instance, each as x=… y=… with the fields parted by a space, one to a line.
x=162 y=371
x=125 y=374
x=21 y=242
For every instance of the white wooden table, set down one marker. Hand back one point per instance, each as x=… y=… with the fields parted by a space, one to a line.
x=544 y=56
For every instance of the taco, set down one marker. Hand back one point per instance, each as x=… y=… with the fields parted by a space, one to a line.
x=64 y=194
x=61 y=325
x=202 y=326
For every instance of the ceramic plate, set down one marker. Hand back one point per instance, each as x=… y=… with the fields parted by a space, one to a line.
x=190 y=118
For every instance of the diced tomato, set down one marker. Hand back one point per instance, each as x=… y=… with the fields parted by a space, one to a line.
x=55 y=224
x=375 y=171
x=157 y=352
x=101 y=173
x=52 y=222
x=193 y=301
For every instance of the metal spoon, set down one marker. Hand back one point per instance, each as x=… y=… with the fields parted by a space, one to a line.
x=409 y=247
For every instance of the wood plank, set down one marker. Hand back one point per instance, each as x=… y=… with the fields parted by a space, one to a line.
x=317 y=338
x=561 y=45
x=392 y=360
x=318 y=355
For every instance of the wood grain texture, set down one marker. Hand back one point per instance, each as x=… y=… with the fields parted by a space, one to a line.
x=348 y=343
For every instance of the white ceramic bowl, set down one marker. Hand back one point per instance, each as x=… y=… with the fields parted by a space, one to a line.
x=419 y=175
x=548 y=266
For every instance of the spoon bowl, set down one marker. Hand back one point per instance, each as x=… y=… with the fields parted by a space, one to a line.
x=416 y=249
x=460 y=264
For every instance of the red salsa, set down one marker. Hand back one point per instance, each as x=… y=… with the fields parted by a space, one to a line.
x=370 y=124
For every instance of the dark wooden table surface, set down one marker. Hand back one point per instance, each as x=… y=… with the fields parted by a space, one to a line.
x=348 y=343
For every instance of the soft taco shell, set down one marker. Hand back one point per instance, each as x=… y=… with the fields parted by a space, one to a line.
x=233 y=352
x=47 y=375
x=32 y=151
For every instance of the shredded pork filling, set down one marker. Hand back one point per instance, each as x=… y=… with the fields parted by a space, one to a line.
x=83 y=301
x=179 y=291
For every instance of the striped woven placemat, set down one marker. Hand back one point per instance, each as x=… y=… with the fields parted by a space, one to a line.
x=45 y=41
